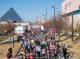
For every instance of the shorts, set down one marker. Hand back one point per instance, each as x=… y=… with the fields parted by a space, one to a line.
x=38 y=53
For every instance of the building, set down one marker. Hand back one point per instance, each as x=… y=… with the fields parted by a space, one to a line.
x=11 y=15
x=69 y=6
x=22 y=24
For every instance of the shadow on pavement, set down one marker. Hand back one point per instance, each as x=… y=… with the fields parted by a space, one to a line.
x=1 y=53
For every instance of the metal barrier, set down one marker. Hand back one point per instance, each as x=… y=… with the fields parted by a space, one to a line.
x=18 y=50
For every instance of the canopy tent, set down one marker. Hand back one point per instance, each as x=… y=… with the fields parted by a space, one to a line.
x=19 y=30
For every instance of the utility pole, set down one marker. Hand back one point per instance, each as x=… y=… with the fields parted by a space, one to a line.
x=13 y=39
x=72 y=25
x=54 y=22
x=54 y=16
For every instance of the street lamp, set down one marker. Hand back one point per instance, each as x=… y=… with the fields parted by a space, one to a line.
x=54 y=14
x=54 y=20
x=13 y=39
x=72 y=25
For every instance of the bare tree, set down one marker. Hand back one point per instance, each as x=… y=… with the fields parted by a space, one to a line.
x=8 y=27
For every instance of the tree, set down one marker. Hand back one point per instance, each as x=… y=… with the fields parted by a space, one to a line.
x=77 y=28
x=8 y=27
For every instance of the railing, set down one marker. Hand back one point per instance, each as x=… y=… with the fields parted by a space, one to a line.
x=18 y=51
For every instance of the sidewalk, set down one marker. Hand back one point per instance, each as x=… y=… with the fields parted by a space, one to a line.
x=4 y=49
x=4 y=45
x=73 y=47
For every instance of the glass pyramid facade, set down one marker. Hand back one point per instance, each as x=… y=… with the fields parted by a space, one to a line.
x=11 y=15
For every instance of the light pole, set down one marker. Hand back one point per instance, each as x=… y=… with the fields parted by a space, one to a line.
x=54 y=20
x=72 y=25
x=54 y=15
x=13 y=38
x=59 y=26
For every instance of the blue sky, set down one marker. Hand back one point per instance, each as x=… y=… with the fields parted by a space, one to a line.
x=30 y=9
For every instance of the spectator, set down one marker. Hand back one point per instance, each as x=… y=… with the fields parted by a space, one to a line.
x=9 y=54
x=64 y=48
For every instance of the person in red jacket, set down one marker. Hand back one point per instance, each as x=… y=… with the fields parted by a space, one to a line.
x=31 y=56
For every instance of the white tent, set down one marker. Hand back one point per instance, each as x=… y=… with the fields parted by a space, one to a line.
x=42 y=27
x=19 y=29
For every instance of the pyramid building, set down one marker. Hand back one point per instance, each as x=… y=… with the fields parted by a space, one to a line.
x=11 y=15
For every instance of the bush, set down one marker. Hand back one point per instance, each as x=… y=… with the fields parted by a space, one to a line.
x=1 y=39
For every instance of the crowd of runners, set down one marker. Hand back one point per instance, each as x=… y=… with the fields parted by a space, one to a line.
x=42 y=46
